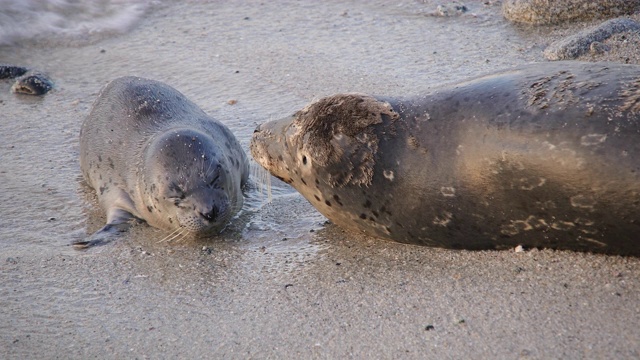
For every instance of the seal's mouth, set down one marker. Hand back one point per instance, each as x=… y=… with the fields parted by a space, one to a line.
x=200 y=225
x=259 y=148
x=269 y=148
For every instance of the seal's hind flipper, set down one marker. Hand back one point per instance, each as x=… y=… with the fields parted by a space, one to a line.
x=103 y=236
x=118 y=221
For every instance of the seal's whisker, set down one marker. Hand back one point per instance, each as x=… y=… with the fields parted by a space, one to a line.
x=267 y=178
x=215 y=168
x=173 y=235
x=263 y=181
x=184 y=234
x=180 y=235
x=204 y=172
x=209 y=168
x=234 y=210
x=168 y=236
x=224 y=217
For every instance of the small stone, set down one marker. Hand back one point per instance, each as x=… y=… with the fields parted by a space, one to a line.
x=519 y=249
x=32 y=84
x=575 y=45
x=232 y=102
x=11 y=71
x=545 y=12
x=450 y=10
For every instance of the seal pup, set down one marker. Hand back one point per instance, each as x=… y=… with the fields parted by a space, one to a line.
x=153 y=155
x=545 y=155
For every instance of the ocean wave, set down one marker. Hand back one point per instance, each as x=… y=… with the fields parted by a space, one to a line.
x=67 y=21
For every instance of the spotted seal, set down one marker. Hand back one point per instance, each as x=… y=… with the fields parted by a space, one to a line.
x=153 y=155
x=545 y=155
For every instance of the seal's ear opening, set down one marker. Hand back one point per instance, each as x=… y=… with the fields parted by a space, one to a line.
x=337 y=133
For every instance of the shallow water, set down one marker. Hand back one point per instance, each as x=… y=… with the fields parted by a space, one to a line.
x=278 y=281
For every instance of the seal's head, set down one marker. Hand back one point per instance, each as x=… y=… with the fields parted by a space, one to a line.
x=185 y=183
x=330 y=141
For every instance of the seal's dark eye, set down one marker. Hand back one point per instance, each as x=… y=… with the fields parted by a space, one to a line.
x=304 y=160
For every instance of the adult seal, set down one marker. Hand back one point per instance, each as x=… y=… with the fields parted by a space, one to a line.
x=153 y=155
x=545 y=155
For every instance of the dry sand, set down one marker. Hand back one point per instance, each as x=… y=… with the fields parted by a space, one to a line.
x=279 y=283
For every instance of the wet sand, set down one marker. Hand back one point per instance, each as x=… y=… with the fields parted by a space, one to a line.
x=279 y=282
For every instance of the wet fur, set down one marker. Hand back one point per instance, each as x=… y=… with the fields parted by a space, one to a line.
x=546 y=155
x=153 y=155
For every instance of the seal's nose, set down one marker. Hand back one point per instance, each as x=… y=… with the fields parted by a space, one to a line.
x=257 y=129
x=211 y=215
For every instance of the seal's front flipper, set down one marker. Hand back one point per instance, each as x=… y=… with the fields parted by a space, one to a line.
x=118 y=221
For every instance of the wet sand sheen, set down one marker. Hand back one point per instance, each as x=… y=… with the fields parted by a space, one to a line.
x=277 y=282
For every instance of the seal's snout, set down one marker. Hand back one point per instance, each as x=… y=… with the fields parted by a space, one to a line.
x=211 y=215
x=257 y=130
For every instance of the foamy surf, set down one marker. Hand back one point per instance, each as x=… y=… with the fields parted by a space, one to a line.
x=67 y=21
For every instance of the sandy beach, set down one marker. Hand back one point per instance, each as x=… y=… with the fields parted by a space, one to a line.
x=280 y=282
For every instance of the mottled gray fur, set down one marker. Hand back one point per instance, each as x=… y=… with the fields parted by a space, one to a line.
x=153 y=155
x=545 y=155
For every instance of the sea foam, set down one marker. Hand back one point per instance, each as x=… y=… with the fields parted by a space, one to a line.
x=67 y=21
